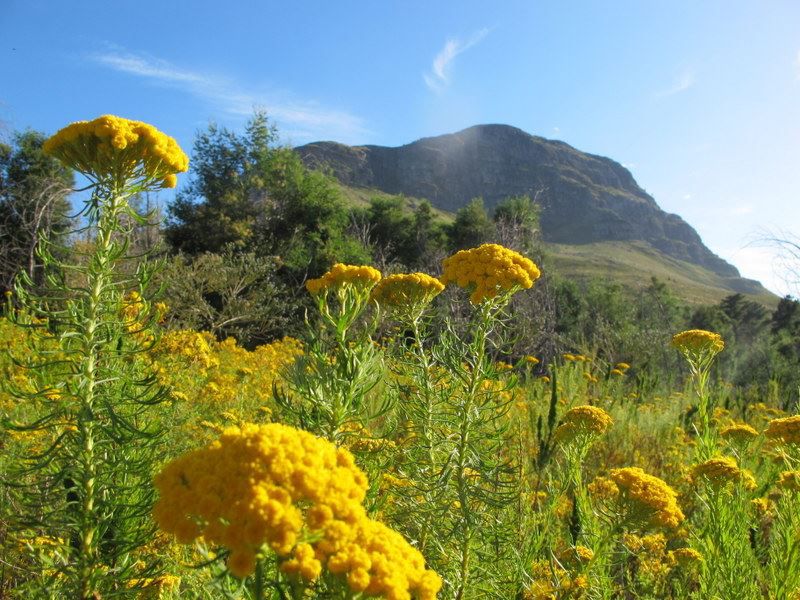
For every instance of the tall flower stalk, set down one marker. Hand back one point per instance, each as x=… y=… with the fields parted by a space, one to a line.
x=700 y=348
x=89 y=487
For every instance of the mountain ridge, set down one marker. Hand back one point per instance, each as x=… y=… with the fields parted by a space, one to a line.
x=585 y=198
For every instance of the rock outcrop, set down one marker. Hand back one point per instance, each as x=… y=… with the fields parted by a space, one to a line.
x=584 y=198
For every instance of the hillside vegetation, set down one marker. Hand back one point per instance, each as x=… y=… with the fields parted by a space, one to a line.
x=282 y=395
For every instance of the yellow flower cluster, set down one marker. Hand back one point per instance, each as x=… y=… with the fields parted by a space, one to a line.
x=649 y=501
x=488 y=270
x=722 y=471
x=785 y=430
x=363 y=277
x=407 y=290
x=552 y=581
x=582 y=423
x=575 y=556
x=114 y=147
x=687 y=558
x=789 y=481
x=739 y=433
x=297 y=494
x=698 y=341
x=195 y=366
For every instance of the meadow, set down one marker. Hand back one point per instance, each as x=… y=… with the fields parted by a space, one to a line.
x=398 y=449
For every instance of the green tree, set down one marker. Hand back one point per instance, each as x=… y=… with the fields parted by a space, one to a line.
x=472 y=226
x=251 y=196
x=517 y=222
x=34 y=191
x=227 y=192
x=229 y=294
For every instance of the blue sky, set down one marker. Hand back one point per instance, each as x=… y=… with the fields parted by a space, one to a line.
x=700 y=100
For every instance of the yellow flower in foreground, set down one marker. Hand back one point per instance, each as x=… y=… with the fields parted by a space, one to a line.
x=127 y=151
x=362 y=277
x=786 y=430
x=698 y=341
x=583 y=423
x=722 y=471
x=489 y=270
x=296 y=493
x=407 y=291
x=647 y=500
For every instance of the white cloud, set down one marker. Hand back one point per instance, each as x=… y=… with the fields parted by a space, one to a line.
x=687 y=196
x=439 y=76
x=306 y=119
x=681 y=83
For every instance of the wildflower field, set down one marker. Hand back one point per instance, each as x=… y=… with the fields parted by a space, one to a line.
x=399 y=449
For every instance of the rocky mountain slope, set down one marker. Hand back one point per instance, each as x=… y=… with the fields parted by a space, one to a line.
x=585 y=199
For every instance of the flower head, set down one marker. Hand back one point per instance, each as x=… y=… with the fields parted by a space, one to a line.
x=785 y=430
x=407 y=292
x=340 y=275
x=648 y=500
x=111 y=147
x=739 y=433
x=489 y=270
x=697 y=342
x=722 y=471
x=583 y=423
x=789 y=481
x=301 y=496
x=686 y=558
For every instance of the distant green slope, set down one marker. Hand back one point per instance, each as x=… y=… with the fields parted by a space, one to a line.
x=630 y=263
x=634 y=263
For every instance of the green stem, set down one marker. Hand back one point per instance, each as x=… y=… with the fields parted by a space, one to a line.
x=465 y=430
x=98 y=282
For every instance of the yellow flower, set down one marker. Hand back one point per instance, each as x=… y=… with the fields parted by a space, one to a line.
x=531 y=360
x=407 y=291
x=790 y=481
x=786 y=430
x=697 y=342
x=622 y=366
x=489 y=270
x=740 y=433
x=722 y=471
x=114 y=148
x=617 y=372
x=648 y=500
x=687 y=558
x=361 y=277
x=278 y=486
x=583 y=423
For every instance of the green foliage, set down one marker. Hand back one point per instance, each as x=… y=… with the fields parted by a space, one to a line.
x=33 y=204
x=230 y=295
x=517 y=223
x=472 y=226
x=249 y=195
x=86 y=486
x=227 y=192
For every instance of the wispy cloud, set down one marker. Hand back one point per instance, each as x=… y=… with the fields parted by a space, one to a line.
x=439 y=76
x=298 y=118
x=681 y=83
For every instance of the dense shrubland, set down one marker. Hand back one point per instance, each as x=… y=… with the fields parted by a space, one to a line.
x=227 y=415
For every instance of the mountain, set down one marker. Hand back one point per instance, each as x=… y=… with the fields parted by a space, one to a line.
x=586 y=199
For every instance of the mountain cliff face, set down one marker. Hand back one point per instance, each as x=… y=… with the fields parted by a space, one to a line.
x=584 y=198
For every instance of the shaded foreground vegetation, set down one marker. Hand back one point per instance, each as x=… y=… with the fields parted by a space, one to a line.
x=490 y=439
